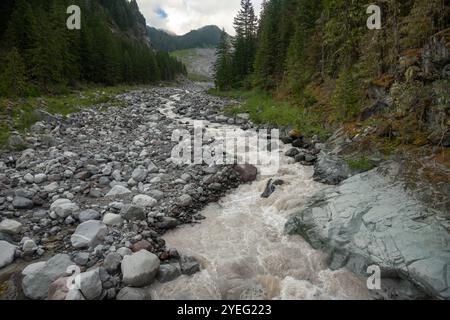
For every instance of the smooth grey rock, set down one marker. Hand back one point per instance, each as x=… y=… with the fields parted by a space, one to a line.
x=140 y=269
x=87 y=215
x=156 y=194
x=91 y=285
x=168 y=272
x=29 y=247
x=189 y=265
x=11 y=227
x=118 y=190
x=22 y=203
x=370 y=220
x=247 y=172
x=112 y=262
x=38 y=279
x=75 y=295
x=7 y=252
x=132 y=213
x=111 y=219
x=144 y=201
x=64 y=208
x=185 y=200
x=139 y=174
x=124 y=251
x=89 y=234
x=330 y=169
x=81 y=258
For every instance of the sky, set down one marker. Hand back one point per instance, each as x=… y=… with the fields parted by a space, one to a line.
x=182 y=16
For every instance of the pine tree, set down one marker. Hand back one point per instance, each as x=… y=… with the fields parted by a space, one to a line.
x=12 y=77
x=244 y=42
x=222 y=67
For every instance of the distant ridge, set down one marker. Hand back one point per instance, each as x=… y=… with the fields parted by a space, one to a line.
x=205 y=37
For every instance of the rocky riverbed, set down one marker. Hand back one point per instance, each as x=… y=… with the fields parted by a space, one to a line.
x=96 y=188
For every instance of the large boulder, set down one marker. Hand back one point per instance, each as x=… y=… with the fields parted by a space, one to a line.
x=64 y=208
x=7 y=252
x=38 y=277
x=247 y=172
x=11 y=227
x=330 y=169
x=139 y=269
x=89 y=234
x=91 y=284
x=370 y=220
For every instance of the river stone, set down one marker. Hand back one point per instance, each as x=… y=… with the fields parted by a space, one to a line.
x=87 y=215
x=247 y=172
x=38 y=279
x=330 y=169
x=168 y=272
x=91 y=284
x=140 y=268
x=118 y=190
x=139 y=174
x=144 y=201
x=132 y=213
x=7 y=252
x=369 y=219
x=11 y=227
x=22 y=203
x=185 y=200
x=89 y=234
x=111 y=219
x=64 y=208
x=112 y=262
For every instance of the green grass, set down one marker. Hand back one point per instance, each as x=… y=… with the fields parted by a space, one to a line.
x=362 y=164
x=264 y=109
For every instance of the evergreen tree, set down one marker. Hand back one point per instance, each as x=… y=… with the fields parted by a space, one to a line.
x=12 y=77
x=244 y=42
x=222 y=66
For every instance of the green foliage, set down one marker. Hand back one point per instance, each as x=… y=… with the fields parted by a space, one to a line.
x=12 y=77
x=346 y=98
x=361 y=164
x=54 y=57
x=223 y=66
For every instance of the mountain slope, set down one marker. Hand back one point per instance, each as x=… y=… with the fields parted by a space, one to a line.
x=206 y=37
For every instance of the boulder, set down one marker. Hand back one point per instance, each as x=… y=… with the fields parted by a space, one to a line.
x=330 y=169
x=112 y=262
x=87 y=215
x=91 y=284
x=7 y=253
x=133 y=294
x=118 y=190
x=185 y=200
x=168 y=272
x=132 y=212
x=39 y=277
x=111 y=219
x=11 y=227
x=89 y=234
x=22 y=203
x=369 y=219
x=144 y=201
x=247 y=172
x=139 y=174
x=140 y=268
x=64 y=208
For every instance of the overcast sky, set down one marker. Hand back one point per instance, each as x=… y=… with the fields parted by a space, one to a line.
x=182 y=16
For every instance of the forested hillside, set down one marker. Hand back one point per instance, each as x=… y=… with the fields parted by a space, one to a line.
x=205 y=37
x=40 y=55
x=321 y=57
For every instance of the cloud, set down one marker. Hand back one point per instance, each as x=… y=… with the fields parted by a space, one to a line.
x=182 y=16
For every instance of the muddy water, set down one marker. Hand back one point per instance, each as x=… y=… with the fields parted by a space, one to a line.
x=243 y=250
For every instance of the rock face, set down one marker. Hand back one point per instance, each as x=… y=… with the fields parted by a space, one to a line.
x=370 y=220
x=330 y=169
x=39 y=278
x=89 y=234
x=140 y=269
x=7 y=251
